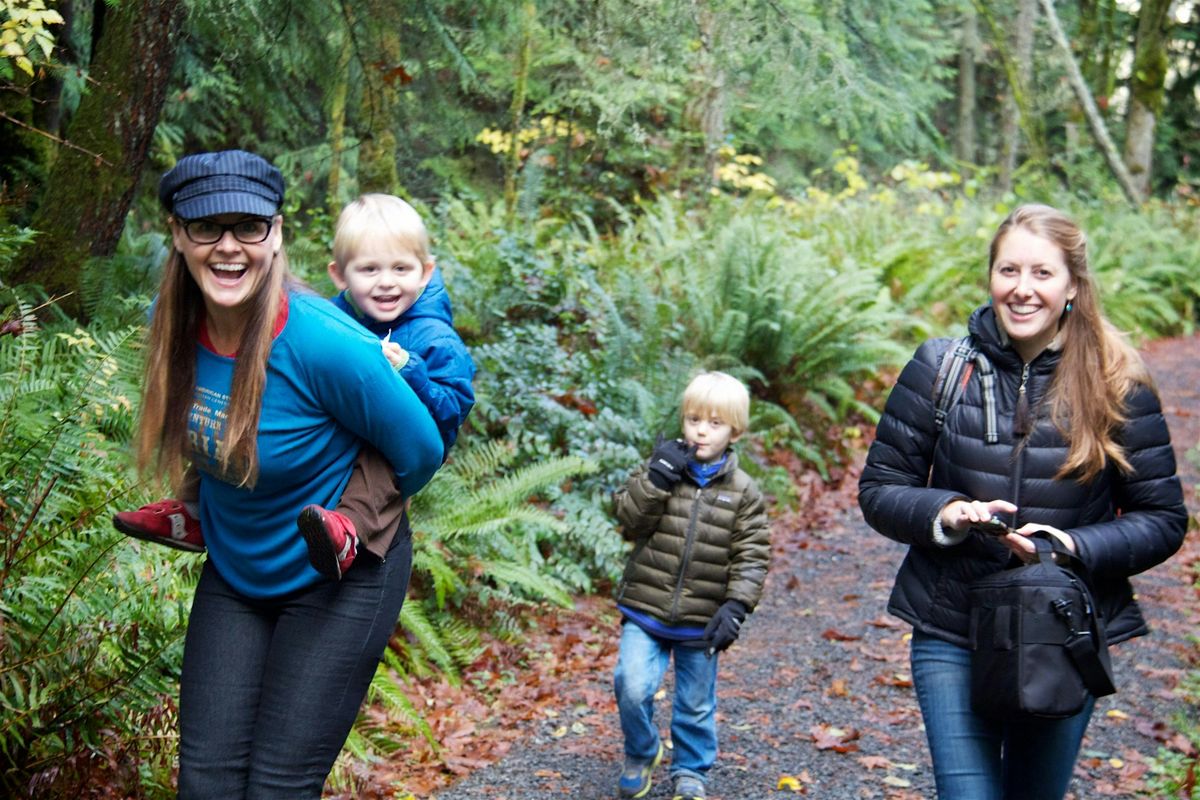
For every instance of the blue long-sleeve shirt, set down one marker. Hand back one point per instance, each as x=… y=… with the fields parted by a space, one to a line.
x=439 y=367
x=327 y=391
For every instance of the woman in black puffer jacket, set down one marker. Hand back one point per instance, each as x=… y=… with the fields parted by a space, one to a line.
x=1078 y=447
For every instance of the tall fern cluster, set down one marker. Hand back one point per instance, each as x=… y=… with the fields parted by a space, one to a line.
x=90 y=631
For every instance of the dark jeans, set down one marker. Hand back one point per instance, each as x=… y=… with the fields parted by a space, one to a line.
x=270 y=688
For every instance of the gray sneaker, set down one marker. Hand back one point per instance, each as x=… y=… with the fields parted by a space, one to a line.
x=635 y=776
x=689 y=787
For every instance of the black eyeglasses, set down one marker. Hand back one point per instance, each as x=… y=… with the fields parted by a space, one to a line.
x=252 y=230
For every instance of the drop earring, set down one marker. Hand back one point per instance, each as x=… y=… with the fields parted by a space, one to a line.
x=1068 y=305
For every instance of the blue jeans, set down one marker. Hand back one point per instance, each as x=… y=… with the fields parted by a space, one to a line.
x=975 y=758
x=270 y=688
x=641 y=665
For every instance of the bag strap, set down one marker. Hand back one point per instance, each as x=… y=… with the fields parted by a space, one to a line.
x=959 y=362
x=1083 y=641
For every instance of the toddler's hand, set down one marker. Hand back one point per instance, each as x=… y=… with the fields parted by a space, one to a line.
x=396 y=355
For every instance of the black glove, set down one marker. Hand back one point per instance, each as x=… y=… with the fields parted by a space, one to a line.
x=668 y=461
x=723 y=629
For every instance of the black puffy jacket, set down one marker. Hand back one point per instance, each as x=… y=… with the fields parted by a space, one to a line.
x=1121 y=524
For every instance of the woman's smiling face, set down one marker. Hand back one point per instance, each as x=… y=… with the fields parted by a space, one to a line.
x=1031 y=286
x=228 y=271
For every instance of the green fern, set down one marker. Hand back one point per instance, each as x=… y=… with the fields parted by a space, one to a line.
x=473 y=519
x=91 y=632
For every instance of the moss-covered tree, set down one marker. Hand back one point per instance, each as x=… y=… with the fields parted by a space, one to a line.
x=91 y=184
x=1146 y=85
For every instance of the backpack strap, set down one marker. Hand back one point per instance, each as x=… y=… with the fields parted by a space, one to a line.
x=959 y=362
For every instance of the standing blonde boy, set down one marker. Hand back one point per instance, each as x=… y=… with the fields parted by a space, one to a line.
x=388 y=282
x=702 y=545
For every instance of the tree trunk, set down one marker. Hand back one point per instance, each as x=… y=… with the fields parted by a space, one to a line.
x=711 y=91
x=1095 y=45
x=1016 y=104
x=516 y=112
x=1147 y=87
x=86 y=197
x=337 y=127
x=964 y=134
x=377 y=151
x=1095 y=121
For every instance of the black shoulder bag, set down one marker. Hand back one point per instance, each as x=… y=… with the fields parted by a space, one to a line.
x=1038 y=644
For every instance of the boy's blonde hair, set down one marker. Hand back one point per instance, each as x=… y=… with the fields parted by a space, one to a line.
x=719 y=395
x=379 y=217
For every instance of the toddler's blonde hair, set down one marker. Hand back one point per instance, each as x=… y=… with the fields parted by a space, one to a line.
x=379 y=217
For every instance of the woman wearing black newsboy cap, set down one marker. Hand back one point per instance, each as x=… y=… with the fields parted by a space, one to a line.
x=269 y=393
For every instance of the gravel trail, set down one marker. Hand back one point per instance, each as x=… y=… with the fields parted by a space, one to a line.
x=818 y=689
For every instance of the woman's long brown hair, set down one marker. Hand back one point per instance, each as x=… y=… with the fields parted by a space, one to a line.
x=1098 y=368
x=170 y=375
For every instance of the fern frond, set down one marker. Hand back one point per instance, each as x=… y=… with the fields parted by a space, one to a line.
x=414 y=620
x=529 y=579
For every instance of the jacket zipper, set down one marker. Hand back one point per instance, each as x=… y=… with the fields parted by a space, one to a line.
x=1020 y=460
x=688 y=541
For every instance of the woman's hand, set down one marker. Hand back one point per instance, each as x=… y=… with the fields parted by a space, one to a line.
x=959 y=515
x=1018 y=540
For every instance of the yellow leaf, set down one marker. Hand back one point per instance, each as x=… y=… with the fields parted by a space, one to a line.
x=899 y=783
x=1116 y=763
x=789 y=783
x=1116 y=713
x=559 y=732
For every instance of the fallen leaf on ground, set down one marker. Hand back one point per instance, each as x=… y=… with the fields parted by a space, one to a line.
x=827 y=737
x=789 y=783
x=837 y=636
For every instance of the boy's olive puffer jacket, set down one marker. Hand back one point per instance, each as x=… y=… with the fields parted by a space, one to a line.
x=694 y=547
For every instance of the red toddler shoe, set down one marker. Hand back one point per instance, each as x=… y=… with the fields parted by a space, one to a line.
x=332 y=540
x=165 y=522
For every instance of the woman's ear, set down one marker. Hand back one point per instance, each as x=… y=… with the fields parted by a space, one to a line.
x=276 y=237
x=178 y=237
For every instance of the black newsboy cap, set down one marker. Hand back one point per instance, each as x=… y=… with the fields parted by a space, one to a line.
x=228 y=182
